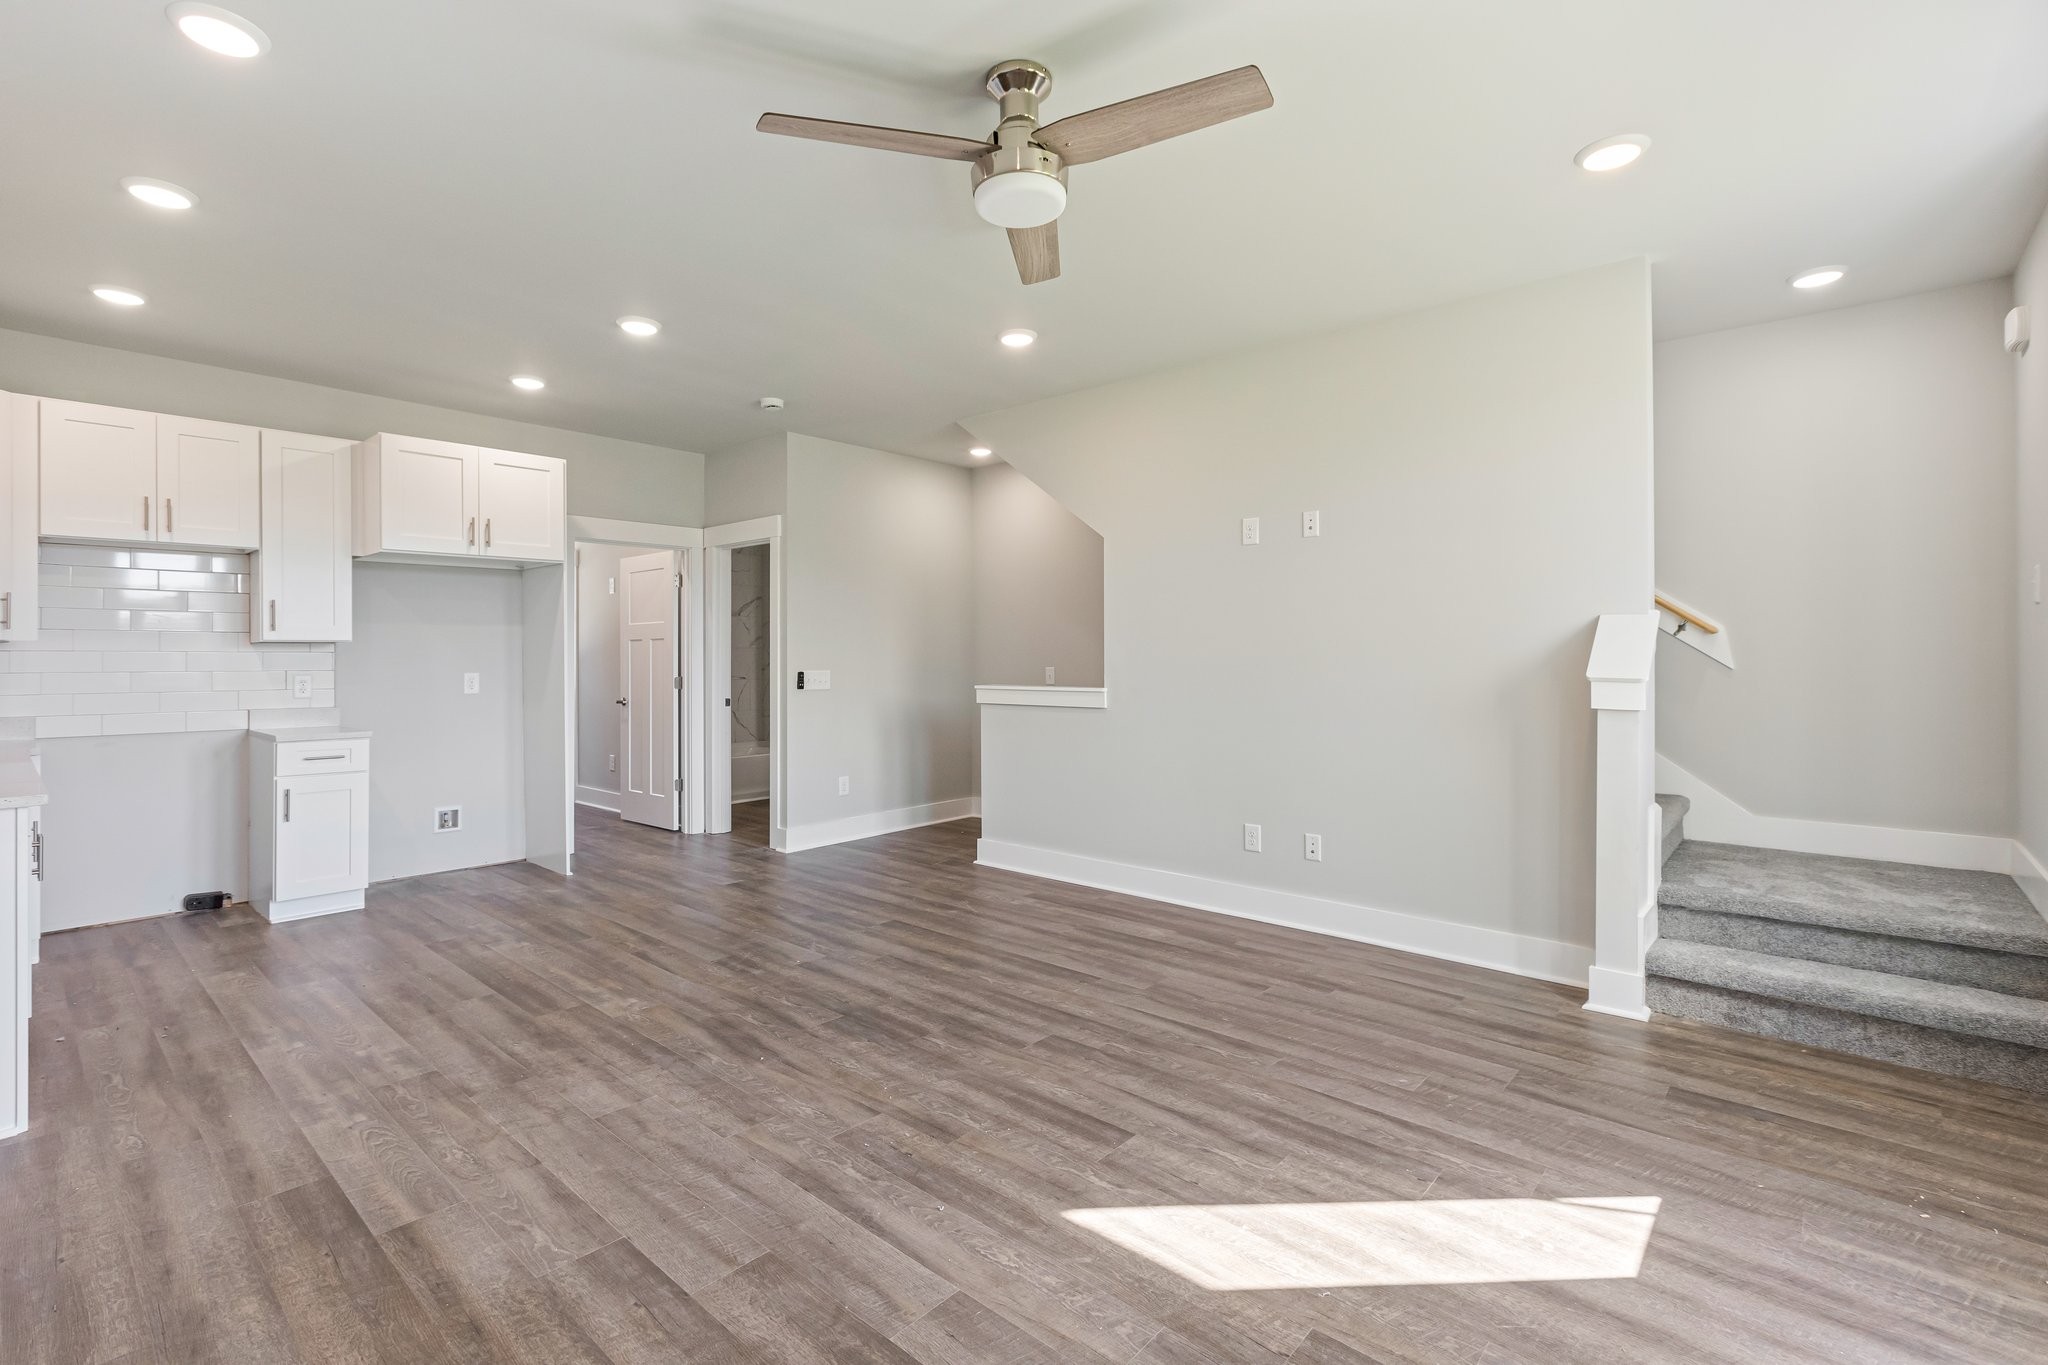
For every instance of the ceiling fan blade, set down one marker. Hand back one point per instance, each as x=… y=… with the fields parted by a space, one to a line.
x=867 y=135
x=1037 y=251
x=1140 y=122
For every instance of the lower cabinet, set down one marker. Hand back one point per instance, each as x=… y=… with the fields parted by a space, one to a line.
x=309 y=851
x=21 y=873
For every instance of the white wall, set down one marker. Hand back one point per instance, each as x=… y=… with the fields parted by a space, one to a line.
x=1410 y=685
x=1838 y=491
x=750 y=480
x=878 y=589
x=2030 y=506
x=1037 y=585
x=607 y=477
x=418 y=629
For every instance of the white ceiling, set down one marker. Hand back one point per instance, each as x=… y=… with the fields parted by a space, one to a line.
x=420 y=198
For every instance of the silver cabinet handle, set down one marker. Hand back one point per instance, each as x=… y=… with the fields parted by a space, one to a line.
x=35 y=849
x=487 y=533
x=472 y=530
x=167 y=516
x=145 y=511
x=273 y=613
x=321 y=758
x=287 y=805
x=6 y=610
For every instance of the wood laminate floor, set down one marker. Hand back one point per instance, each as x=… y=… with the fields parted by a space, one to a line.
x=707 y=1103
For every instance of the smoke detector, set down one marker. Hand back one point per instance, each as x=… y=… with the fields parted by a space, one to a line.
x=771 y=405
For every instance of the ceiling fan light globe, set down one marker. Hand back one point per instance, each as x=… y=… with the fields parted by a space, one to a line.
x=1020 y=199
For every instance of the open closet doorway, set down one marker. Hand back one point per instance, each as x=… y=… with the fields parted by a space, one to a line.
x=743 y=737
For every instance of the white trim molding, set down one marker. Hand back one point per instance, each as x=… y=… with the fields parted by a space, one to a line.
x=654 y=535
x=2032 y=876
x=797 y=838
x=743 y=532
x=1716 y=818
x=597 y=798
x=1624 y=646
x=997 y=694
x=1496 y=949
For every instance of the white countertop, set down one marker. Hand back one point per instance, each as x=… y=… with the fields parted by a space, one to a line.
x=317 y=734
x=20 y=783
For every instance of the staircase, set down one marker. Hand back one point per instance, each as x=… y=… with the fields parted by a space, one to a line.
x=1924 y=966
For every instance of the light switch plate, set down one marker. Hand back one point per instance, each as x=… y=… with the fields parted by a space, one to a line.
x=1048 y=675
x=845 y=785
x=472 y=682
x=821 y=679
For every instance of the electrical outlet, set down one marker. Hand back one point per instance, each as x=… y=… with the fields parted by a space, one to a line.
x=1311 y=525
x=447 y=818
x=472 y=683
x=845 y=786
x=1312 y=847
x=611 y=763
x=1254 y=839
x=1048 y=675
x=1251 y=530
x=302 y=685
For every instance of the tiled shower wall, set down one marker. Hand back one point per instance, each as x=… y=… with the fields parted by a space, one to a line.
x=749 y=643
x=150 y=641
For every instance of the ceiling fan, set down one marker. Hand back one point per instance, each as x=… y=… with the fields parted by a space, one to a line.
x=1020 y=171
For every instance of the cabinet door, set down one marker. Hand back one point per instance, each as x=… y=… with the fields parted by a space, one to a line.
x=207 y=482
x=18 y=511
x=323 y=835
x=427 y=496
x=520 y=500
x=302 y=570
x=98 y=470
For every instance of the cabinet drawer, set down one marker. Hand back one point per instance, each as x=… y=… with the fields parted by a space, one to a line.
x=330 y=756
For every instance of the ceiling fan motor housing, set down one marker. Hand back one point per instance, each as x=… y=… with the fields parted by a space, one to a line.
x=1017 y=183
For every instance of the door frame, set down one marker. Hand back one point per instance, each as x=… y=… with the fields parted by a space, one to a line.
x=715 y=773
x=689 y=540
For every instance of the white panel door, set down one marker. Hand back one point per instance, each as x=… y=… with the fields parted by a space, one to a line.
x=208 y=482
x=323 y=835
x=302 y=570
x=18 y=512
x=98 y=469
x=519 y=498
x=650 y=623
x=428 y=496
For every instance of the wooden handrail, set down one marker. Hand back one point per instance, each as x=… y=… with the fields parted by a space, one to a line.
x=1690 y=618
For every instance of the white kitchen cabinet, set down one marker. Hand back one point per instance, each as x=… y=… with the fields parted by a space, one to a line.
x=207 y=477
x=442 y=502
x=519 y=498
x=98 y=468
x=303 y=572
x=21 y=812
x=113 y=474
x=19 y=505
x=309 y=832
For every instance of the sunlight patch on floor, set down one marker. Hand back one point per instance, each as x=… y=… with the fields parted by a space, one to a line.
x=1431 y=1241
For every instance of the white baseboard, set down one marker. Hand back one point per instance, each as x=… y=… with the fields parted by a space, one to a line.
x=797 y=838
x=597 y=798
x=1625 y=994
x=741 y=798
x=1716 y=818
x=1545 y=959
x=2028 y=871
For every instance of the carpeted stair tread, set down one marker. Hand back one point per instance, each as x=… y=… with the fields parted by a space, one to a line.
x=1935 y=904
x=1673 y=809
x=1910 y=1000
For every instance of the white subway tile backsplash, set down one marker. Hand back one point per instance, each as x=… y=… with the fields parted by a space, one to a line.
x=152 y=641
x=162 y=723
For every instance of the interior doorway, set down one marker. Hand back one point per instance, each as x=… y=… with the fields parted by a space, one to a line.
x=743 y=733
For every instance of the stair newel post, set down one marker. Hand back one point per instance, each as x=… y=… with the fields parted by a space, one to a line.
x=1625 y=817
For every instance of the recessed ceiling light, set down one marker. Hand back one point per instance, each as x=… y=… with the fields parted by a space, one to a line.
x=114 y=294
x=219 y=30
x=639 y=327
x=1819 y=278
x=980 y=452
x=1017 y=338
x=531 y=383
x=1612 y=153
x=159 y=194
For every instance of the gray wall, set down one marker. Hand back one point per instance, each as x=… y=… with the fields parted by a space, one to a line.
x=2030 y=286
x=1037 y=585
x=418 y=629
x=877 y=588
x=747 y=481
x=1410 y=685
x=1838 y=491
x=607 y=477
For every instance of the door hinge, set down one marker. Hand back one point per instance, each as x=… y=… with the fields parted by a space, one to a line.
x=679 y=684
x=679 y=784
x=679 y=580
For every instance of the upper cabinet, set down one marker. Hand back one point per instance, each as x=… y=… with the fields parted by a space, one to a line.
x=18 y=614
x=135 y=477
x=300 y=586
x=438 y=500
